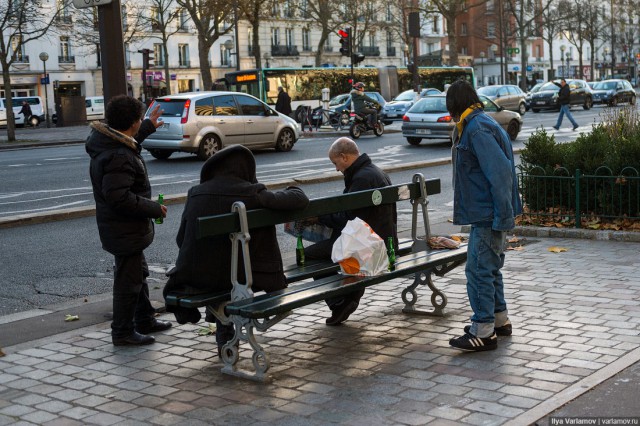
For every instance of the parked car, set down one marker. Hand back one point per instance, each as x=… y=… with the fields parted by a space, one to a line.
x=508 y=96
x=395 y=109
x=95 y=107
x=37 y=110
x=527 y=98
x=547 y=97
x=205 y=122
x=429 y=119
x=613 y=92
x=342 y=102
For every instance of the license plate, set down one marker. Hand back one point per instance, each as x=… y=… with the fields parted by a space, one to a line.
x=165 y=126
x=392 y=115
x=540 y=103
x=423 y=131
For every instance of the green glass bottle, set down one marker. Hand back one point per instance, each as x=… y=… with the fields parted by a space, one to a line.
x=392 y=255
x=299 y=252
x=160 y=219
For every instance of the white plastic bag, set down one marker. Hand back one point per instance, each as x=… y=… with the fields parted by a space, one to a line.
x=359 y=250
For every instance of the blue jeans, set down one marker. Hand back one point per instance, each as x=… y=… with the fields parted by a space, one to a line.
x=485 y=258
x=565 y=109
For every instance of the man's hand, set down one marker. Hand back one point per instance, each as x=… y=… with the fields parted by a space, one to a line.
x=164 y=210
x=155 y=117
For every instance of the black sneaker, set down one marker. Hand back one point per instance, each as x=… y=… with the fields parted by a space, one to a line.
x=557 y=128
x=471 y=343
x=505 y=330
x=575 y=128
x=341 y=313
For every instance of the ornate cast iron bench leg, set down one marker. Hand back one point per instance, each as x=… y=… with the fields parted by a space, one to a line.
x=410 y=296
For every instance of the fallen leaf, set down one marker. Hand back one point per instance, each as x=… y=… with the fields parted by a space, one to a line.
x=513 y=239
x=69 y=317
x=207 y=331
x=1 y=353
x=517 y=248
x=555 y=249
x=456 y=238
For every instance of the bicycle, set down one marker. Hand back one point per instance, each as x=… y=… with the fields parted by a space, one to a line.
x=337 y=120
x=305 y=118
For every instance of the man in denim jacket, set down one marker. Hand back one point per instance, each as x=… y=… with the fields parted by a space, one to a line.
x=485 y=196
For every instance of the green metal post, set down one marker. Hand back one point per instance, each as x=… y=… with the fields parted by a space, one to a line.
x=578 y=221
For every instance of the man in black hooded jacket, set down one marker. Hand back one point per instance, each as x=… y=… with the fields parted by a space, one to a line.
x=204 y=265
x=124 y=213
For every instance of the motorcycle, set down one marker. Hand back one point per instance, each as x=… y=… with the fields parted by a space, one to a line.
x=361 y=125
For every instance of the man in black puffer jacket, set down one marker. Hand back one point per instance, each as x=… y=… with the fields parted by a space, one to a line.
x=124 y=213
x=564 y=99
x=359 y=174
x=204 y=265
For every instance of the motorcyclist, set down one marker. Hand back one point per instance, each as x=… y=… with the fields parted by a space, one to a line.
x=358 y=98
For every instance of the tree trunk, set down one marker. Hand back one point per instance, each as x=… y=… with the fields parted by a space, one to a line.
x=321 y=43
x=453 y=41
x=167 y=77
x=256 y=43
x=205 y=67
x=11 y=122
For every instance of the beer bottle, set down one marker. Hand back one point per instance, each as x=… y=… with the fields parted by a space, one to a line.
x=392 y=255
x=160 y=219
x=299 y=252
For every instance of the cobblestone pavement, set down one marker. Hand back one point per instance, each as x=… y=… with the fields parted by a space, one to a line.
x=576 y=318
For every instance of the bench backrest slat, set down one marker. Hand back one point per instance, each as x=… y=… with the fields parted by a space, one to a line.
x=229 y=222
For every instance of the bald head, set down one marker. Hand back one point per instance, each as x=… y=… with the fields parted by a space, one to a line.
x=342 y=153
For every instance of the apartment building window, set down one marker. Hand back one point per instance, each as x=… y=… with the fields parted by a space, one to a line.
x=275 y=9
x=155 y=19
x=65 y=51
x=306 y=40
x=304 y=9
x=490 y=5
x=389 y=14
x=491 y=29
x=288 y=9
x=327 y=44
x=436 y=25
x=183 y=17
x=288 y=33
x=127 y=55
x=463 y=51
x=123 y=15
x=183 y=55
x=275 y=36
x=463 y=29
x=250 y=38
x=65 y=13
x=430 y=47
x=17 y=50
x=158 y=54
x=372 y=39
x=225 y=56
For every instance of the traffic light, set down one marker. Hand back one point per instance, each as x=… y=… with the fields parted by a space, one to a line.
x=345 y=41
x=357 y=58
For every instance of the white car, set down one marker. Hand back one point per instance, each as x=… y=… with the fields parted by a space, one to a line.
x=203 y=123
x=37 y=110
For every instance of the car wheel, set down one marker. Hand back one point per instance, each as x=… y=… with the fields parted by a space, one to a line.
x=588 y=103
x=160 y=154
x=614 y=101
x=522 y=109
x=285 y=141
x=513 y=129
x=209 y=145
x=414 y=141
x=536 y=110
x=632 y=101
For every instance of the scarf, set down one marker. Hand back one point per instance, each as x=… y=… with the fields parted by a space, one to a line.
x=460 y=123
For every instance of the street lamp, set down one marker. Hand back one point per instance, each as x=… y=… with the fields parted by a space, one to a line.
x=482 y=68
x=43 y=57
x=568 y=58
x=229 y=45
x=266 y=57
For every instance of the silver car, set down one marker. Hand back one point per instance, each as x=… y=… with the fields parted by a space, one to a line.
x=205 y=122
x=396 y=108
x=429 y=119
x=508 y=96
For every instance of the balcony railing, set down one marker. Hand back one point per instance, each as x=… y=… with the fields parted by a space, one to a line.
x=284 y=51
x=64 y=19
x=66 y=59
x=391 y=51
x=370 y=50
x=21 y=59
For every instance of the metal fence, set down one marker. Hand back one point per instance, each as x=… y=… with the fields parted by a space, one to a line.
x=572 y=199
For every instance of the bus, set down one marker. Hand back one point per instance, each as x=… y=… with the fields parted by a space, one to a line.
x=305 y=85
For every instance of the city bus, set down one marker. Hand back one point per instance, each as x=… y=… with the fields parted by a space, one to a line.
x=305 y=85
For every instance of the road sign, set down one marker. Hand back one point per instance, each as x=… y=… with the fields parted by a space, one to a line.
x=516 y=68
x=529 y=68
x=89 y=3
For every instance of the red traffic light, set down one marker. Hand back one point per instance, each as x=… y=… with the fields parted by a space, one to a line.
x=343 y=33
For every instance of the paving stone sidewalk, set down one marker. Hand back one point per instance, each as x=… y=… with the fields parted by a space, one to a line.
x=576 y=318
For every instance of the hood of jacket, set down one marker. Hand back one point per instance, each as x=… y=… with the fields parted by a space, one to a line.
x=235 y=161
x=110 y=139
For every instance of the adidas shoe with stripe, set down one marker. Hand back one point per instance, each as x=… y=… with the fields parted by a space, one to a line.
x=471 y=343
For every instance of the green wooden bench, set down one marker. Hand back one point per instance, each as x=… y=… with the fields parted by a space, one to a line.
x=249 y=312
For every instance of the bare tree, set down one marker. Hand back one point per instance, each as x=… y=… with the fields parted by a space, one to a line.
x=593 y=31
x=527 y=16
x=575 y=26
x=208 y=17
x=362 y=17
x=324 y=14
x=552 y=23
x=253 y=11
x=162 y=23
x=22 y=21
